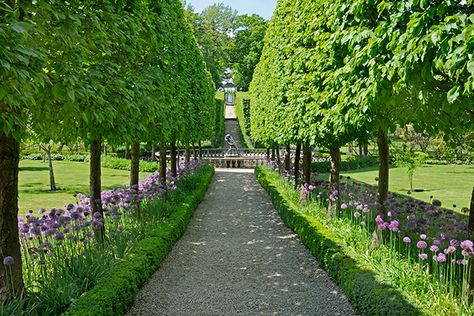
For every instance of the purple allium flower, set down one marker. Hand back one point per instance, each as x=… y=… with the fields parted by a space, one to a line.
x=441 y=257
x=437 y=242
x=453 y=242
x=434 y=248
x=466 y=244
x=343 y=206
x=423 y=236
x=8 y=261
x=59 y=236
x=461 y=262
x=406 y=240
x=450 y=249
x=421 y=244
x=423 y=256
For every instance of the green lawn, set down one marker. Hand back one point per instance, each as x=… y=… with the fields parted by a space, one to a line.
x=451 y=184
x=71 y=177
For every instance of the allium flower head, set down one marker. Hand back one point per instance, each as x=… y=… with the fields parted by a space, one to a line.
x=8 y=261
x=406 y=240
x=423 y=256
x=434 y=248
x=343 y=206
x=421 y=244
x=441 y=257
x=423 y=236
x=466 y=244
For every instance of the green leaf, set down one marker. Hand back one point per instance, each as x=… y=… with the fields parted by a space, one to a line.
x=3 y=92
x=21 y=27
x=454 y=93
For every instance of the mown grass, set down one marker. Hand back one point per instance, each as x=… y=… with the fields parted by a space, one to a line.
x=71 y=177
x=451 y=184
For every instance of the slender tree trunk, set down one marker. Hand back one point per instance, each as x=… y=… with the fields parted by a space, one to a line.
x=127 y=151
x=273 y=151
x=366 y=150
x=471 y=237
x=334 y=181
x=11 y=277
x=163 y=162
x=287 y=156
x=200 y=149
x=297 y=164
x=382 y=142
x=268 y=152
x=153 y=151
x=307 y=157
x=361 y=153
x=188 y=154
x=174 y=165
x=52 y=181
x=278 y=155
x=95 y=178
x=135 y=165
x=195 y=152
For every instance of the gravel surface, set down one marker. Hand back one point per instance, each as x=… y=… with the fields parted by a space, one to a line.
x=238 y=258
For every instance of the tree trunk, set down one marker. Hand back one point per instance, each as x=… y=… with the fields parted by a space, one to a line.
x=297 y=164
x=471 y=237
x=153 y=151
x=174 y=164
x=195 y=154
x=52 y=181
x=200 y=149
x=278 y=155
x=382 y=142
x=273 y=152
x=287 y=156
x=127 y=151
x=307 y=157
x=361 y=153
x=163 y=162
x=135 y=165
x=268 y=153
x=187 y=158
x=366 y=150
x=334 y=181
x=11 y=278
x=95 y=178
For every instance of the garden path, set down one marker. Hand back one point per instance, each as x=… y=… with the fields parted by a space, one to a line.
x=238 y=258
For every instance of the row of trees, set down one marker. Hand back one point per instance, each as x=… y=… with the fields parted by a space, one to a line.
x=336 y=72
x=228 y=41
x=126 y=71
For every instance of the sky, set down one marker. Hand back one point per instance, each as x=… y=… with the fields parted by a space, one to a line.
x=263 y=8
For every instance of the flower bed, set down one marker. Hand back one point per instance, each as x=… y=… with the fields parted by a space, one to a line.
x=63 y=257
x=374 y=267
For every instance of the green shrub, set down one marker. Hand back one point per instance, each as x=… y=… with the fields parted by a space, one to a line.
x=346 y=165
x=116 y=290
x=124 y=164
x=360 y=283
x=34 y=157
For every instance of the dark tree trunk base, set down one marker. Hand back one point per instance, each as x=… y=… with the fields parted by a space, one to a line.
x=11 y=277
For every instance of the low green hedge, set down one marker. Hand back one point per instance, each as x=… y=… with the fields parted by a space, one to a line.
x=116 y=290
x=124 y=164
x=346 y=165
x=360 y=283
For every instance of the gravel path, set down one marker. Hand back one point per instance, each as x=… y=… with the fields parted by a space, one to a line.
x=238 y=258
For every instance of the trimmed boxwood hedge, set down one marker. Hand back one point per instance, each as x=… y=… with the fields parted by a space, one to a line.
x=368 y=296
x=116 y=290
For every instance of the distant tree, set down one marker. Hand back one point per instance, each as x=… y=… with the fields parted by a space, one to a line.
x=246 y=48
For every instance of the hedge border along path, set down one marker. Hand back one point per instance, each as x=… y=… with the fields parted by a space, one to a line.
x=116 y=290
x=367 y=295
x=238 y=258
